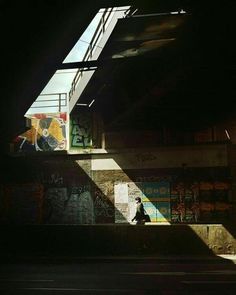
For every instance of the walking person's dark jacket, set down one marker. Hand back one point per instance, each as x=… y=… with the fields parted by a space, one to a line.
x=139 y=215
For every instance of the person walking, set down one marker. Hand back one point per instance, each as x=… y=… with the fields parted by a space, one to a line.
x=139 y=215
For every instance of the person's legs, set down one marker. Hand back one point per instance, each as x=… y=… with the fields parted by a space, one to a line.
x=140 y=222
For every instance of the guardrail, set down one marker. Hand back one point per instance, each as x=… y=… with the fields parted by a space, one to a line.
x=51 y=100
x=92 y=45
x=61 y=100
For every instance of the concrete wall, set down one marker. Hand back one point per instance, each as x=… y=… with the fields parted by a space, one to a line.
x=115 y=240
x=162 y=157
x=79 y=188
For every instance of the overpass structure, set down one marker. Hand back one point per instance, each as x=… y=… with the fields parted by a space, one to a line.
x=150 y=113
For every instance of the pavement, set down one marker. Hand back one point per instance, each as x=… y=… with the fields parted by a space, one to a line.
x=117 y=275
x=181 y=259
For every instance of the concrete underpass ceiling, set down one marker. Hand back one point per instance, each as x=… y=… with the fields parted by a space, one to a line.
x=166 y=70
x=191 y=82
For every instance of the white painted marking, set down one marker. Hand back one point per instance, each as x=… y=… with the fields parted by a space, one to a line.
x=165 y=273
x=126 y=291
x=9 y=280
x=223 y=271
x=180 y=273
x=209 y=282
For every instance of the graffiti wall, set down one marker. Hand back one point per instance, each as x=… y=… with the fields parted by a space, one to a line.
x=103 y=207
x=48 y=132
x=204 y=201
x=85 y=130
x=175 y=202
x=38 y=204
x=81 y=130
x=155 y=197
x=64 y=190
x=64 y=206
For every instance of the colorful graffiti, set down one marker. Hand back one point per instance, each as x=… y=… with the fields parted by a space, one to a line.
x=155 y=191
x=47 y=133
x=81 y=131
x=55 y=196
x=199 y=201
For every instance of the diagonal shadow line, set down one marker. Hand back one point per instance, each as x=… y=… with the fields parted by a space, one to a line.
x=90 y=239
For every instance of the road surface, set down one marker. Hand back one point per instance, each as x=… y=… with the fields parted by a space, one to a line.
x=118 y=276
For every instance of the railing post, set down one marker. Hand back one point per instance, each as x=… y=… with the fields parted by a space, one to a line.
x=90 y=50
x=103 y=23
x=59 y=102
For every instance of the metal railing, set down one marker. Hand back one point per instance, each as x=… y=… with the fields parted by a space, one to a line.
x=58 y=101
x=61 y=100
x=91 y=47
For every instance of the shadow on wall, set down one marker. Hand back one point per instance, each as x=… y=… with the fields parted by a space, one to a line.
x=53 y=190
x=199 y=199
x=70 y=198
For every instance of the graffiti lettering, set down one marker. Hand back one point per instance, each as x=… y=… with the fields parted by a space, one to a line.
x=81 y=133
x=103 y=208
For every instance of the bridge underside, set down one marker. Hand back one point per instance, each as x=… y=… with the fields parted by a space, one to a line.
x=200 y=68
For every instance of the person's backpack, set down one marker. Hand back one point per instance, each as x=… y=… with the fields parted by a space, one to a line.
x=146 y=217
